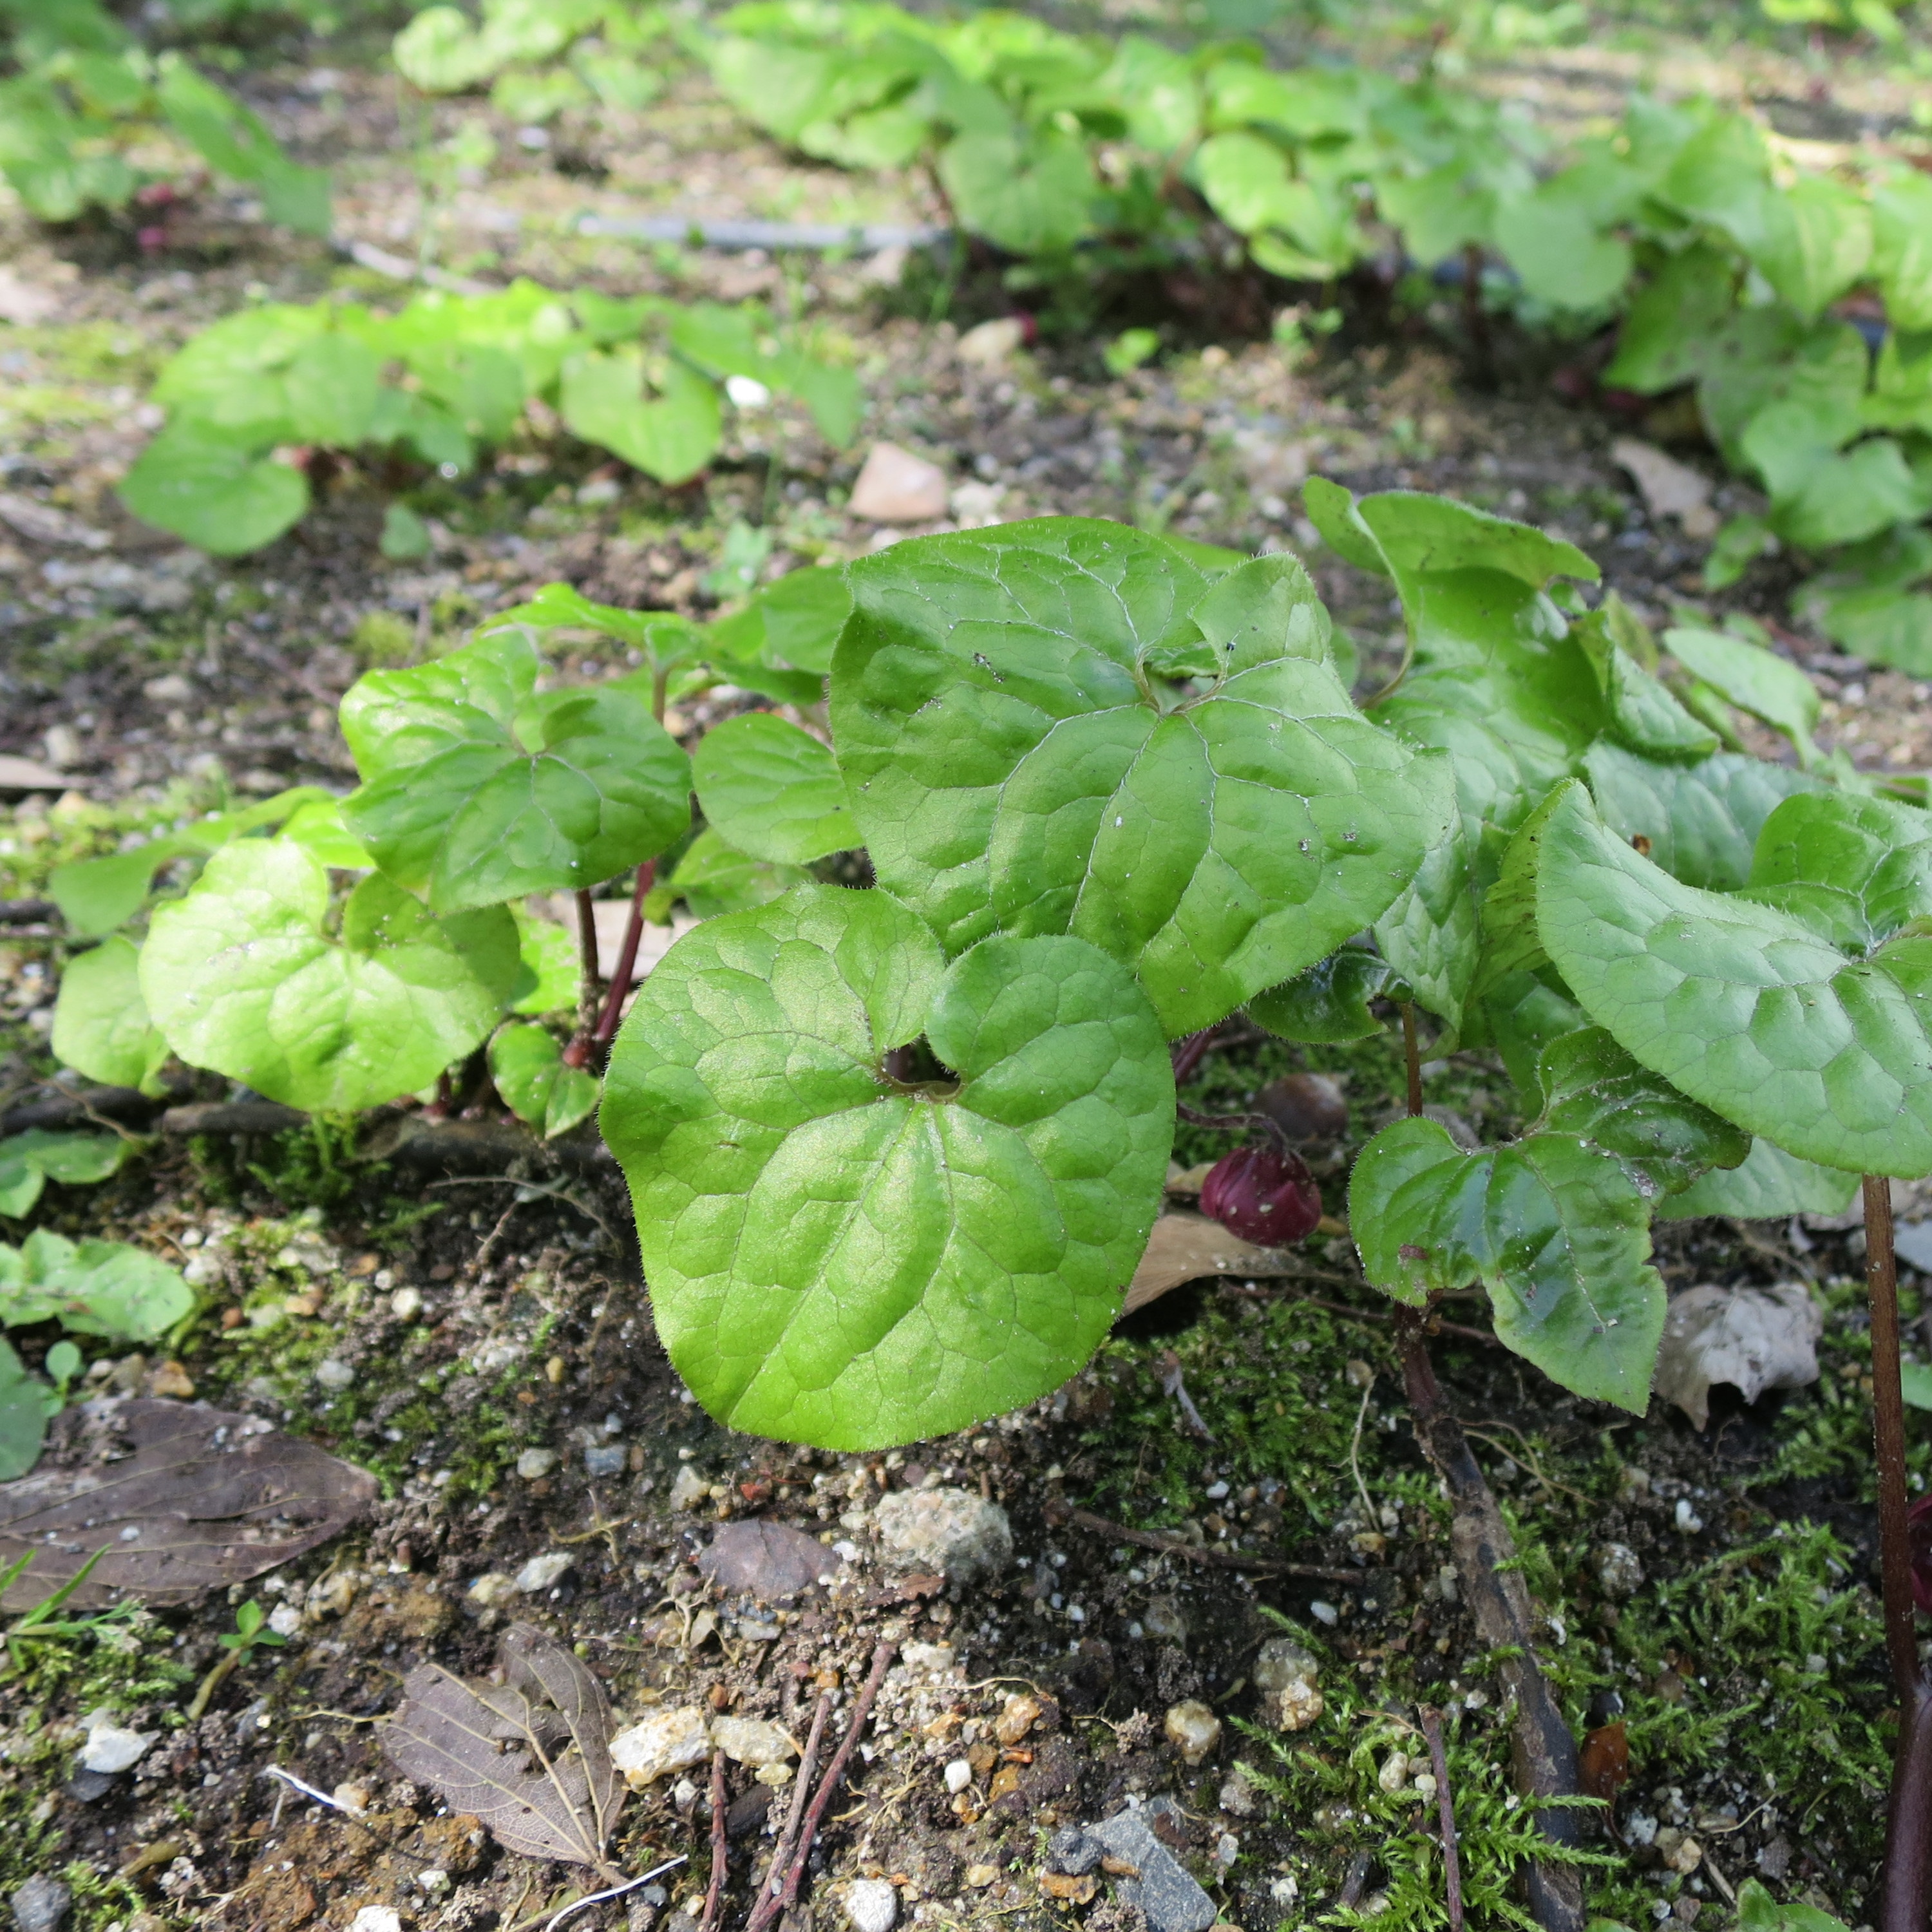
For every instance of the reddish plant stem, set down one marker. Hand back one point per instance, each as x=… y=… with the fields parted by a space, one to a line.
x=1907 y=1886
x=1269 y=1128
x=1411 y=1056
x=1445 y=1809
x=1190 y=1052
x=714 y=1896
x=578 y=1053
x=801 y=1853
x=627 y=958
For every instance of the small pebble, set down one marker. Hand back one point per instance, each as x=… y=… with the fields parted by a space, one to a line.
x=872 y=1905
x=540 y=1573
x=959 y=1775
x=534 y=1464
x=42 y=1904
x=1193 y=1729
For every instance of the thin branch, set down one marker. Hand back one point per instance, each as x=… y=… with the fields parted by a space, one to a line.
x=800 y=1790
x=606 y=1030
x=714 y=1894
x=1235 y=1123
x=1445 y=1808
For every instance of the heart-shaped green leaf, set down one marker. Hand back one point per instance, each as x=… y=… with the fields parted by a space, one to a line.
x=527 y=1066
x=839 y=1258
x=1771 y=1185
x=1061 y=727
x=222 y=494
x=1557 y=1232
x=1755 y=1008
x=107 y=1289
x=772 y=790
x=29 y=1160
x=26 y=1405
x=713 y=877
x=478 y=788
x=101 y=1027
x=244 y=975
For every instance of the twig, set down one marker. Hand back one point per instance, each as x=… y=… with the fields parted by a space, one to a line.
x=1445 y=1808
x=714 y=1895
x=534 y=1187
x=772 y=1902
x=1175 y=1545
x=1264 y=1124
x=801 y=1787
x=1542 y=1750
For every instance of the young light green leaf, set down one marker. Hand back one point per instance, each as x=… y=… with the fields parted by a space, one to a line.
x=548 y=971
x=1771 y=1185
x=671 y=436
x=526 y=1064
x=1029 y=749
x=1668 y=330
x=243 y=976
x=1329 y=1001
x=221 y=495
x=101 y=1027
x=1334 y=513
x=1431 y=935
x=772 y=790
x=108 y=1289
x=1557 y=1232
x=795 y=621
x=29 y=1160
x=1750 y=1009
x=1030 y=193
x=479 y=788
x=1753 y=679
x=1699 y=822
x=839 y=1259
x=1643 y=715
x=24 y=1415
x=713 y=877
x=1421 y=535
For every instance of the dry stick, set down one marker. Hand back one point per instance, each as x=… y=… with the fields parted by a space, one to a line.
x=1445 y=1809
x=766 y=1906
x=1908 y=1849
x=714 y=1894
x=627 y=958
x=1543 y=1751
x=774 y=1902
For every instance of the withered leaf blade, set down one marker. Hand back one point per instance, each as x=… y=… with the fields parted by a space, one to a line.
x=530 y=1758
x=181 y=1498
x=766 y=1560
x=1753 y=1338
x=1186 y=1247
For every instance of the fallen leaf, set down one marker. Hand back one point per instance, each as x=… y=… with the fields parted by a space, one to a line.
x=1186 y=1247
x=1071 y=1891
x=1753 y=1338
x=181 y=1501
x=766 y=1560
x=1602 y=1764
x=529 y=1758
x=1669 y=488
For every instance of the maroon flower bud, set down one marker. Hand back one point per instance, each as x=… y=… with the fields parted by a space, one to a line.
x=152 y=240
x=1919 y=1544
x=1266 y=1197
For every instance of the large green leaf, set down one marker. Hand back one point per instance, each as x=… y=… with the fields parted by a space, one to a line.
x=1699 y=822
x=1563 y=257
x=772 y=790
x=236 y=141
x=29 y=1160
x=1061 y=727
x=1754 y=680
x=1902 y=247
x=225 y=496
x=713 y=877
x=479 y=786
x=1770 y=1185
x=101 y=1027
x=670 y=436
x=1557 y=1232
x=1842 y=499
x=1666 y=332
x=1817 y=241
x=837 y=1257
x=1029 y=193
x=106 y=1288
x=1749 y=1003
x=26 y=1404
x=244 y=975
x=795 y=621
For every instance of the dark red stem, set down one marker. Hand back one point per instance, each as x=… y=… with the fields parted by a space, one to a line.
x=1190 y=1052
x=714 y=1895
x=1908 y=1845
x=1411 y=1056
x=606 y=1029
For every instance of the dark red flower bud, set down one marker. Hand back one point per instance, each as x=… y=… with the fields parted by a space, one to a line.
x=152 y=240
x=1919 y=1544
x=1266 y=1197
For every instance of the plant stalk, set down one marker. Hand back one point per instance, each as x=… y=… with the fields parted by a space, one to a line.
x=578 y=1051
x=606 y=1029
x=1411 y=1056
x=1908 y=1848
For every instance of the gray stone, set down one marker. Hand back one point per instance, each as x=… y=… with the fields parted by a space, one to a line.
x=1169 y=1898
x=42 y=1904
x=1072 y=1853
x=952 y=1531
x=606 y=1458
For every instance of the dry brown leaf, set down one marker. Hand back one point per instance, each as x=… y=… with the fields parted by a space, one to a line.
x=1753 y=1338
x=766 y=1560
x=530 y=1758
x=182 y=1499
x=1186 y=1247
